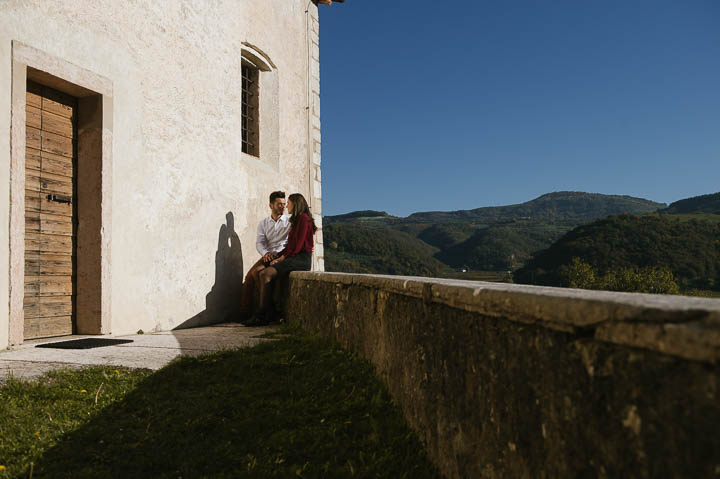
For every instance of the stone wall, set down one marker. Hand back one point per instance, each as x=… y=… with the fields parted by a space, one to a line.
x=520 y=381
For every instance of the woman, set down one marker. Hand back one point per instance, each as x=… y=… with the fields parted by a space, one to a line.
x=297 y=255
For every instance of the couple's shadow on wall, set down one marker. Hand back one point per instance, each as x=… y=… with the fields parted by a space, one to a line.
x=223 y=300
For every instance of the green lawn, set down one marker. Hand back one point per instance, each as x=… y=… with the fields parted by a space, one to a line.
x=294 y=407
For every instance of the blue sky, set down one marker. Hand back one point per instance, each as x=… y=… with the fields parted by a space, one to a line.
x=431 y=105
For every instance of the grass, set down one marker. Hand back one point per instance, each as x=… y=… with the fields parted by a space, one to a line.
x=294 y=407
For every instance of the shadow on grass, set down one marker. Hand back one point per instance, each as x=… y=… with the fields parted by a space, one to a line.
x=295 y=407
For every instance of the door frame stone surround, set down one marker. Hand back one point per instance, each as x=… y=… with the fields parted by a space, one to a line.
x=95 y=140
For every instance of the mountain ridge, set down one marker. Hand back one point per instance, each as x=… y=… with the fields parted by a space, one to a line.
x=554 y=206
x=709 y=203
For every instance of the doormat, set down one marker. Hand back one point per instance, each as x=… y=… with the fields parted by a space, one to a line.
x=87 y=343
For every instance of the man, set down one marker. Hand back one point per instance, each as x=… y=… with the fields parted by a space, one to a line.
x=272 y=234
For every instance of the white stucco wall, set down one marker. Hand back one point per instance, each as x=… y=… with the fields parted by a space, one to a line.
x=177 y=161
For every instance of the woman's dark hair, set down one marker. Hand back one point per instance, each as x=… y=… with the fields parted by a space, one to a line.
x=276 y=194
x=300 y=206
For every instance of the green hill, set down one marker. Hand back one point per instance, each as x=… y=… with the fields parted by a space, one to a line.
x=358 y=249
x=445 y=235
x=484 y=239
x=689 y=247
x=501 y=247
x=696 y=204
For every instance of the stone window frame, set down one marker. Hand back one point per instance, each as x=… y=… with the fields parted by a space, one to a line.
x=95 y=139
x=268 y=107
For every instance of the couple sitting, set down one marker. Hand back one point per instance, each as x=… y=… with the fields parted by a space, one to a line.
x=285 y=244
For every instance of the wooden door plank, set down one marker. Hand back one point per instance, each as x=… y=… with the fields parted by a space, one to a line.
x=48 y=243
x=60 y=145
x=37 y=285
x=33 y=99
x=48 y=327
x=54 y=207
x=33 y=116
x=49 y=306
x=60 y=125
x=32 y=222
x=32 y=266
x=58 y=103
x=32 y=181
x=50 y=183
x=56 y=224
x=47 y=264
x=33 y=94
x=57 y=164
x=33 y=138
x=32 y=202
x=33 y=159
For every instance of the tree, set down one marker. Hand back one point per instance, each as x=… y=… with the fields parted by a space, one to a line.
x=580 y=274
x=654 y=280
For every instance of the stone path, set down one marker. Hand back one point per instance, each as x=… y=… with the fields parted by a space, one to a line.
x=150 y=350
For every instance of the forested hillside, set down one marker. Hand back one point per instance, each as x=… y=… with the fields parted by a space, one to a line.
x=357 y=249
x=501 y=247
x=696 y=204
x=485 y=239
x=688 y=247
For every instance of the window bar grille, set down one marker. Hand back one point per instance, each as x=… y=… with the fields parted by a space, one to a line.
x=248 y=113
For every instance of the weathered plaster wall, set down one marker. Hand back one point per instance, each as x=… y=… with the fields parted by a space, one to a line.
x=177 y=161
x=521 y=381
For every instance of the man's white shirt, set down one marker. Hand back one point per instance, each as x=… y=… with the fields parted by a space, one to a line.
x=272 y=235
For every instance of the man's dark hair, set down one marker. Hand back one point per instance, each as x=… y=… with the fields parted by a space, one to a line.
x=276 y=194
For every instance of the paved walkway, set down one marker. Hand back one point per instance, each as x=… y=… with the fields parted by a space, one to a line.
x=150 y=350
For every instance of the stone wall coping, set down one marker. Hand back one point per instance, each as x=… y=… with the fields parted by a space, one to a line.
x=680 y=326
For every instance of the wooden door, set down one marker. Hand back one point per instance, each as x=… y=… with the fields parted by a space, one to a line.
x=50 y=177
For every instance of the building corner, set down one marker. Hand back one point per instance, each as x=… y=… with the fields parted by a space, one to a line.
x=314 y=133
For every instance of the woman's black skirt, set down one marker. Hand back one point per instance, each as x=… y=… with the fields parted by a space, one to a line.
x=299 y=262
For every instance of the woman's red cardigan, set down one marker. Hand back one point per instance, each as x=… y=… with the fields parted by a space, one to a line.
x=300 y=237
